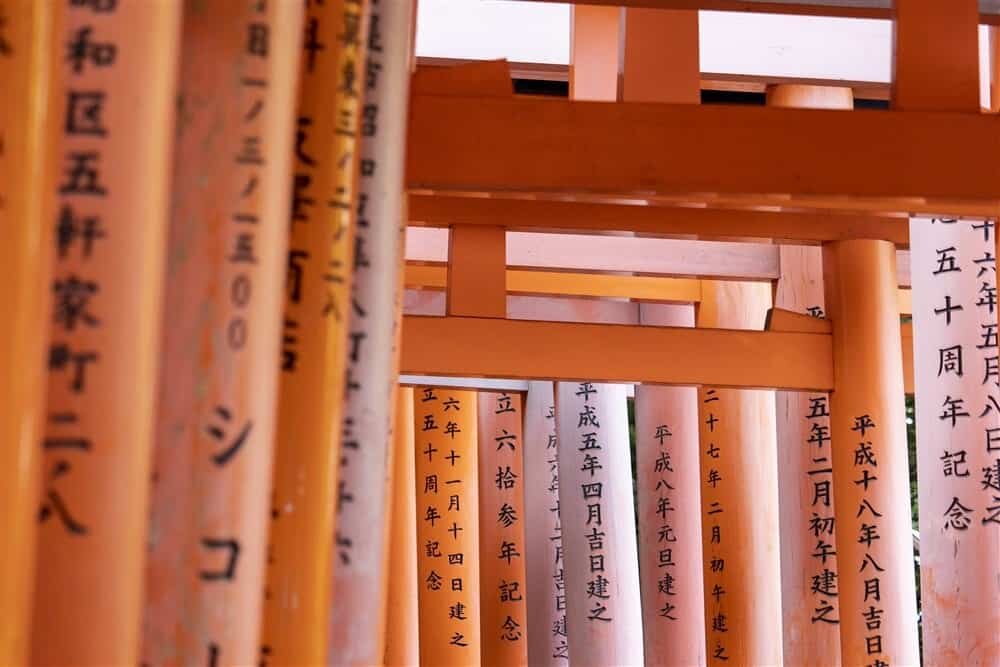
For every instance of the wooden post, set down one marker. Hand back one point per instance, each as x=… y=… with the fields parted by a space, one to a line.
x=28 y=135
x=546 y=584
x=226 y=261
x=314 y=355
x=402 y=639
x=661 y=65
x=448 y=527
x=603 y=612
x=810 y=618
x=114 y=169
x=739 y=498
x=502 y=514
x=357 y=635
x=878 y=616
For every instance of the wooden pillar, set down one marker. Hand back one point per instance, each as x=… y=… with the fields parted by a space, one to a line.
x=953 y=268
x=111 y=221
x=402 y=639
x=603 y=611
x=28 y=133
x=504 y=622
x=739 y=498
x=226 y=266
x=661 y=65
x=812 y=637
x=314 y=355
x=358 y=621
x=448 y=527
x=878 y=616
x=546 y=584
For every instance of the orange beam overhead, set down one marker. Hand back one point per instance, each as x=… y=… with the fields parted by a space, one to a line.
x=897 y=160
x=706 y=223
x=522 y=349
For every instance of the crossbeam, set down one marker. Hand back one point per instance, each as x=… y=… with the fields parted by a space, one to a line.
x=706 y=223
x=520 y=349
x=902 y=161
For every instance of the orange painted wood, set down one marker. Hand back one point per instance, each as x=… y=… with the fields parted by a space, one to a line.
x=603 y=608
x=314 y=350
x=616 y=148
x=594 y=66
x=363 y=519
x=224 y=300
x=113 y=174
x=489 y=77
x=447 y=492
x=870 y=469
x=959 y=490
x=779 y=319
x=739 y=499
x=706 y=223
x=614 y=352
x=546 y=583
x=29 y=122
x=668 y=487
x=402 y=637
x=477 y=264
x=660 y=59
x=502 y=516
x=810 y=617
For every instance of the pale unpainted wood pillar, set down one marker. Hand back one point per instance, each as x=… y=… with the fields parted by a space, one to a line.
x=661 y=65
x=30 y=70
x=502 y=512
x=226 y=268
x=447 y=500
x=953 y=268
x=297 y=601
x=739 y=497
x=805 y=479
x=603 y=609
x=111 y=221
x=357 y=635
x=878 y=616
x=546 y=584
x=402 y=637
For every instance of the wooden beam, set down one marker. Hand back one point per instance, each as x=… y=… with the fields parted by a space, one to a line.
x=615 y=353
x=906 y=158
x=706 y=223
x=476 y=260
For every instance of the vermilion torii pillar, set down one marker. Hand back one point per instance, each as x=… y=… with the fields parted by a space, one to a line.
x=314 y=344
x=661 y=65
x=357 y=633
x=810 y=628
x=111 y=215
x=956 y=369
x=878 y=613
x=226 y=265
x=739 y=498
x=502 y=515
x=445 y=428
x=546 y=583
x=29 y=68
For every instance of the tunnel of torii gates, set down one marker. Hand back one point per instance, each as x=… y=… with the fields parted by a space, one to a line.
x=243 y=423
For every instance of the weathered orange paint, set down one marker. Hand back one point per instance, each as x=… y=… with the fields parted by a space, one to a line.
x=739 y=499
x=402 y=636
x=28 y=132
x=868 y=386
x=445 y=424
x=314 y=355
x=502 y=516
x=224 y=302
x=106 y=317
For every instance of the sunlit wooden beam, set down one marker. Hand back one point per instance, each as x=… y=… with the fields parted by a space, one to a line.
x=453 y=346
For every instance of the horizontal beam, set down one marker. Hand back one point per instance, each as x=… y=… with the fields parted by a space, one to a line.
x=705 y=223
x=484 y=347
x=898 y=159
x=869 y=9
